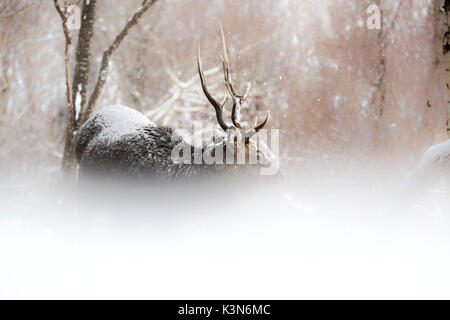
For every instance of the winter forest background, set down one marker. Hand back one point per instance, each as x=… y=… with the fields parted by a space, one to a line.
x=344 y=97
x=356 y=109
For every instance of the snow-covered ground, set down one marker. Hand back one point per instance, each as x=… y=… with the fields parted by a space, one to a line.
x=308 y=239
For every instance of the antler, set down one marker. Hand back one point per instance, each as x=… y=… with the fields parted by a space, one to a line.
x=237 y=98
x=217 y=106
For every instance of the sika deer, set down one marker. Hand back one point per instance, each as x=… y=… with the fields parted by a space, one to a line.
x=119 y=140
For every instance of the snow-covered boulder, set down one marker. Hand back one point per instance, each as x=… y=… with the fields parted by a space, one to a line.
x=431 y=174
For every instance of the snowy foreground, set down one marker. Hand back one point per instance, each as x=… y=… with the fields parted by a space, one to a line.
x=309 y=239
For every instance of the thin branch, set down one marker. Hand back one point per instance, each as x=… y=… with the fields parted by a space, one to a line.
x=103 y=73
x=4 y=8
x=394 y=19
x=14 y=13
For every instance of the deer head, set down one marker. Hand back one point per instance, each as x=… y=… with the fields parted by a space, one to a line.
x=237 y=136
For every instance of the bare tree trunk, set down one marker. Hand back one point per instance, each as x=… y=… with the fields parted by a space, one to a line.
x=67 y=165
x=446 y=47
x=379 y=99
x=80 y=83
x=379 y=96
x=83 y=53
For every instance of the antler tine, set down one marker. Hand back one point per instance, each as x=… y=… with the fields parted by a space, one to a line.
x=225 y=99
x=217 y=107
x=255 y=130
x=226 y=70
x=263 y=124
x=246 y=91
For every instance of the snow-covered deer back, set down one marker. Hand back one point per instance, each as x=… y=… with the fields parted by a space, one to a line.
x=118 y=139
